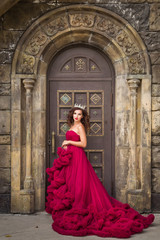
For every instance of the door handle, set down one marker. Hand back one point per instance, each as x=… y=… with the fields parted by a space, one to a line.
x=53 y=142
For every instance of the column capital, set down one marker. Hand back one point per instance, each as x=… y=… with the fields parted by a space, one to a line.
x=28 y=83
x=134 y=82
x=133 y=85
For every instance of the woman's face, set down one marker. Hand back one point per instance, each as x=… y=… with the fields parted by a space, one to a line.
x=77 y=115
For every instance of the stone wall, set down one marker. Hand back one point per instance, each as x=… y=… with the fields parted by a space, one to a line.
x=143 y=15
x=5 y=140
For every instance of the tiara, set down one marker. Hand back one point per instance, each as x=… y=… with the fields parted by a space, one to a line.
x=79 y=106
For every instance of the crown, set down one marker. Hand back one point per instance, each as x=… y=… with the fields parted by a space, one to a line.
x=79 y=106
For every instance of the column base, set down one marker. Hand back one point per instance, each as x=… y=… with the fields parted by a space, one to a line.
x=27 y=201
x=135 y=199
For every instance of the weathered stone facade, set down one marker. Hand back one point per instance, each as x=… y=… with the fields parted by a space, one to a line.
x=26 y=31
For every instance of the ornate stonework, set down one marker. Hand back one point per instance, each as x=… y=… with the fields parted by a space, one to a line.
x=106 y=25
x=136 y=64
x=55 y=26
x=113 y=36
x=27 y=64
x=128 y=46
x=35 y=43
x=81 y=20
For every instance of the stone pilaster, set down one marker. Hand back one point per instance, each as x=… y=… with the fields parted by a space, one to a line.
x=27 y=194
x=133 y=164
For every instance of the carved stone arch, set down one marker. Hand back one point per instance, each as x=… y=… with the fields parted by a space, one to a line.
x=112 y=35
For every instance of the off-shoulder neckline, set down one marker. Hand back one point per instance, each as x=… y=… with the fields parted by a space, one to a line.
x=73 y=131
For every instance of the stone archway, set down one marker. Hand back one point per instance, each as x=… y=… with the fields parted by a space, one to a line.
x=120 y=42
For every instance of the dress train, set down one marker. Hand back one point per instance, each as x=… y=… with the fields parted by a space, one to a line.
x=79 y=203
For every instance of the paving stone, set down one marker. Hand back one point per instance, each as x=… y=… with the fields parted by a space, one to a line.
x=5 y=203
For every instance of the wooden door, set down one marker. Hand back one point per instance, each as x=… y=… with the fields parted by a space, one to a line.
x=83 y=75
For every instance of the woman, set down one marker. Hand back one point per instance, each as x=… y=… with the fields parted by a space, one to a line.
x=77 y=200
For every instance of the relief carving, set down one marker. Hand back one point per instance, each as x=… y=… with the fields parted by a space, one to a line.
x=106 y=25
x=81 y=20
x=136 y=64
x=27 y=64
x=126 y=43
x=56 y=25
x=35 y=43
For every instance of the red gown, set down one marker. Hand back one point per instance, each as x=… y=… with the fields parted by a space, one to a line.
x=79 y=203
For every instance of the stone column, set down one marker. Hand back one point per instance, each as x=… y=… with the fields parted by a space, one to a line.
x=133 y=161
x=27 y=194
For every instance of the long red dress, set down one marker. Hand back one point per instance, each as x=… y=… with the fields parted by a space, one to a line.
x=79 y=203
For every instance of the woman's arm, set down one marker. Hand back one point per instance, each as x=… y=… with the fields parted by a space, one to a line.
x=83 y=139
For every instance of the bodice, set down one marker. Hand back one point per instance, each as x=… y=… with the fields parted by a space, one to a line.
x=72 y=135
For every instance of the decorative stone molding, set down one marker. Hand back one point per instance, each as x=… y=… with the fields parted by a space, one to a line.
x=136 y=64
x=81 y=20
x=35 y=43
x=58 y=24
x=27 y=64
x=133 y=85
x=108 y=24
x=128 y=46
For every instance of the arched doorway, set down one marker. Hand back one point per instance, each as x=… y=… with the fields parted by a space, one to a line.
x=83 y=75
x=101 y=29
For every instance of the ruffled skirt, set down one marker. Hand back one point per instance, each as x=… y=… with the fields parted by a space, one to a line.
x=81 y=206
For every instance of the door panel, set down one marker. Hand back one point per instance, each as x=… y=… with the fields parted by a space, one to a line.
x=82 y=85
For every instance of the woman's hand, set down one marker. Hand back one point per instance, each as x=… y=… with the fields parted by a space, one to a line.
x=65 y=147
x=65 y=143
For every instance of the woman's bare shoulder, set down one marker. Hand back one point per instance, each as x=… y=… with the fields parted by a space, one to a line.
x=81 y=127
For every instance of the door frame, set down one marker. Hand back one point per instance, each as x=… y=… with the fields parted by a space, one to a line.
x=112 y=96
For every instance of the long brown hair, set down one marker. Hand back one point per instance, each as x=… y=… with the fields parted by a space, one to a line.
x=84 y=120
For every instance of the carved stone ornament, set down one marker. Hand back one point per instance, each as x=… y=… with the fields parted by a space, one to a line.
x=126 y=43
x=133 y=85
x=56 y=25
x=81 y=20
x=136 y=64
x=35 y=43
x=107 y=26
x=27 y=64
